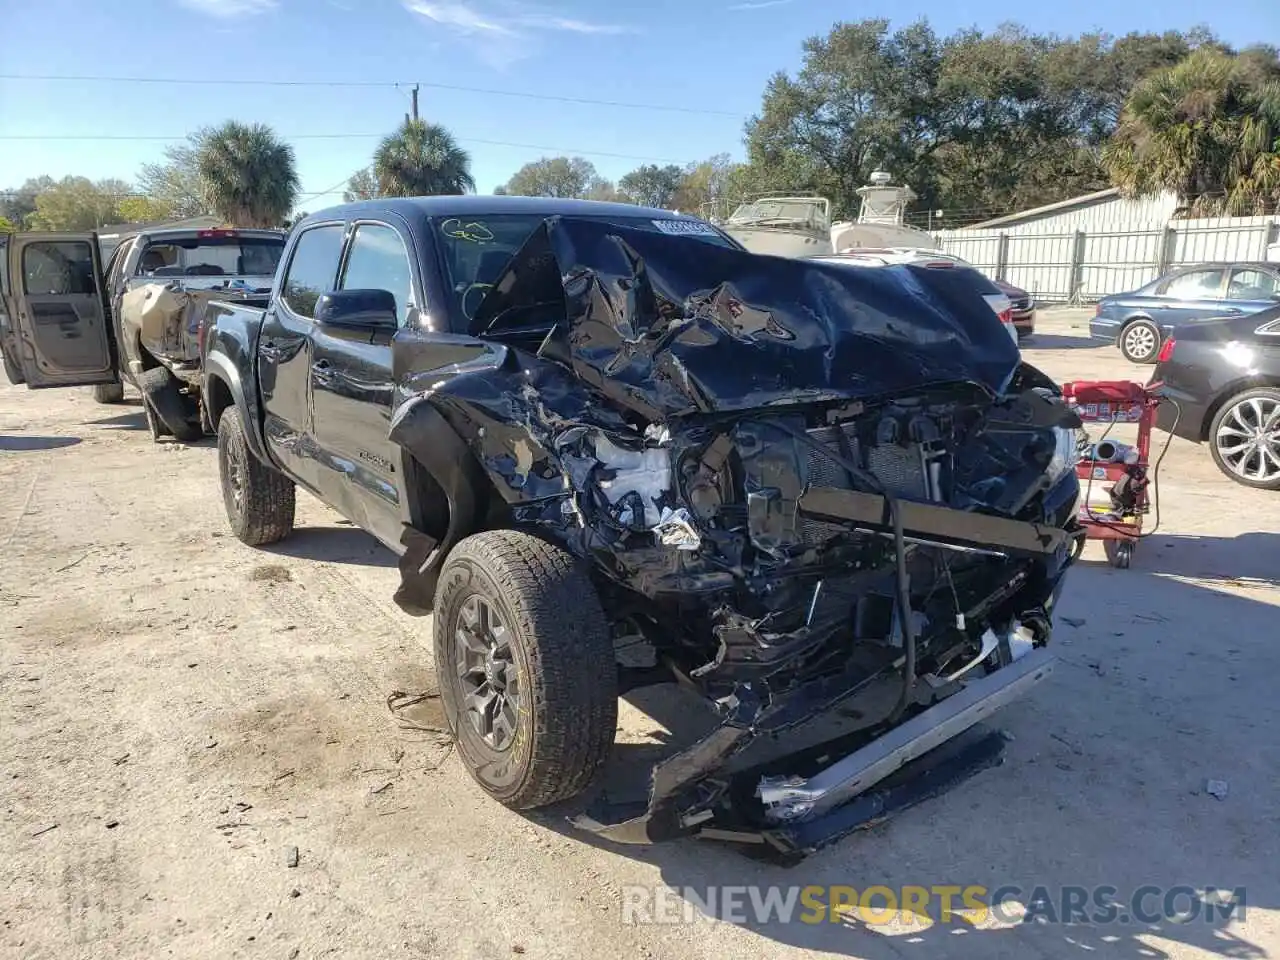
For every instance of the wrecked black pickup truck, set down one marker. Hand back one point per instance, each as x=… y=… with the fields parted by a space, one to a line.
x=833 y=503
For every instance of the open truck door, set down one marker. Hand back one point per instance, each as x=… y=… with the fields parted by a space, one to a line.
x=59 y=324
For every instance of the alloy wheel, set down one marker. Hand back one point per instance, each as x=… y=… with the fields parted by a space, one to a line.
x=1248 y=439
x=487 y=673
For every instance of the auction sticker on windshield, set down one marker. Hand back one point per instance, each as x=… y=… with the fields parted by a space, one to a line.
x=686 y=228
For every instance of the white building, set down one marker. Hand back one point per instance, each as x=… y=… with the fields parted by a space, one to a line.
x=1101 y=243
x=1103 y=210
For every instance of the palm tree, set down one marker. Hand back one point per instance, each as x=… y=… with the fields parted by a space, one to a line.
x=249 y=174
x=363 y=185
x=422 y=159
x=1208 y=129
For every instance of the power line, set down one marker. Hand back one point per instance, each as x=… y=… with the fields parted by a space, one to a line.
x=457 y=88
x=351 y=136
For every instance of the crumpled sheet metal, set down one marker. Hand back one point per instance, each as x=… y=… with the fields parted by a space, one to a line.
x=155 y=310
x=165 y=317
x=665 y=326
x=642 y=329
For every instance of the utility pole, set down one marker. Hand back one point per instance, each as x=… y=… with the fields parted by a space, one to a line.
x=415 y=101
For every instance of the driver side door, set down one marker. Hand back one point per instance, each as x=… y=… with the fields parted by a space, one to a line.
x=59 y=320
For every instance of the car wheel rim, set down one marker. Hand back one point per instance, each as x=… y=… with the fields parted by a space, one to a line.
x=487 y=673
x=235 y=481
x=1140 y=341
x=1248 y=439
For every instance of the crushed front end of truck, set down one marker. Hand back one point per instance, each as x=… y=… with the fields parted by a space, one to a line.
x=834 y=503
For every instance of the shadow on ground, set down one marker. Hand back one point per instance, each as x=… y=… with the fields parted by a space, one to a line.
x=1107 y=769
x=137 y=420
x=1248 y=559
x=1059 y=341
x=340 y=544
x=27 y=444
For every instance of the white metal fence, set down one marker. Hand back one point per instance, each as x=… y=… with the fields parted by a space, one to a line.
x=1080 y=266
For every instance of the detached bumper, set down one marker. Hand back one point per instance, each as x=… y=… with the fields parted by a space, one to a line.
x=795 y=814
x=807 y=799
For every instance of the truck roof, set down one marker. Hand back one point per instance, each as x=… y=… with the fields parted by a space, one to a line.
x=212 y=231
x=487 y=205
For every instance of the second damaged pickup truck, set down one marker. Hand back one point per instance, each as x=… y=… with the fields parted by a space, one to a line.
x=67 y=320
x=833 y=503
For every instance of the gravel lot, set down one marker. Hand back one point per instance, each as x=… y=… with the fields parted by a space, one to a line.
x=178 y=711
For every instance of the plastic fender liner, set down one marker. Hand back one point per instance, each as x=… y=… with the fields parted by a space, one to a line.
x=425 y=434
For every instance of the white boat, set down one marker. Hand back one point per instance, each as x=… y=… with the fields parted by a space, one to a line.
x=880 y=222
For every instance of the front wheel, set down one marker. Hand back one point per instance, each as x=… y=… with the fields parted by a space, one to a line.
x=259 y=501
x=525 y=667
x=1140 y=342
x=1244 y=438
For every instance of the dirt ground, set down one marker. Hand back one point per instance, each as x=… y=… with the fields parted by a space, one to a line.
x=179 y=712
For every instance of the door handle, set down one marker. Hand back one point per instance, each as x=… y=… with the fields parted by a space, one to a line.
x=269 y=349
x=322 y=370
x=321 y=366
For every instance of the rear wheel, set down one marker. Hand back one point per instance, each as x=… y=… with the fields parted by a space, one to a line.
x=526 y=668
x=259 y=500
x=1244 y=438
x=167 y=404
x=1140 y=342
x=109 y=392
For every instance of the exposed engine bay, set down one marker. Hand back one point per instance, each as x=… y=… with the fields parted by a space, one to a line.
x=826 y=500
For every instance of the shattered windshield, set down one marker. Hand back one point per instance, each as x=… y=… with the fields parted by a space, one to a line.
x=475 y=250
x=211 y=256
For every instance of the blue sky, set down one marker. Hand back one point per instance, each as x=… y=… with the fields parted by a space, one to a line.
x=712 y=55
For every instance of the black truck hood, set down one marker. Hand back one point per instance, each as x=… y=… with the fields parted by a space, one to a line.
x=665 y=326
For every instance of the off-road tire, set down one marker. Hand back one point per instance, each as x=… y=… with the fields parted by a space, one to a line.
x=1137 y=348
x=109 y=392
x=263 y=511
x=160 y=391
x=560 y=645
x=12 y=370
x=1267 y=399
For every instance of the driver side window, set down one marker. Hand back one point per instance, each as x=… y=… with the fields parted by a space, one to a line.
x=1251 y=285
x=378 y=261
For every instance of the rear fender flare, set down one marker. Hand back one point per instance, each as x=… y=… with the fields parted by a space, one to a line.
x=218 y=368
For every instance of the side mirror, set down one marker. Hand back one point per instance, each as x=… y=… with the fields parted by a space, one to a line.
x=357 y=310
